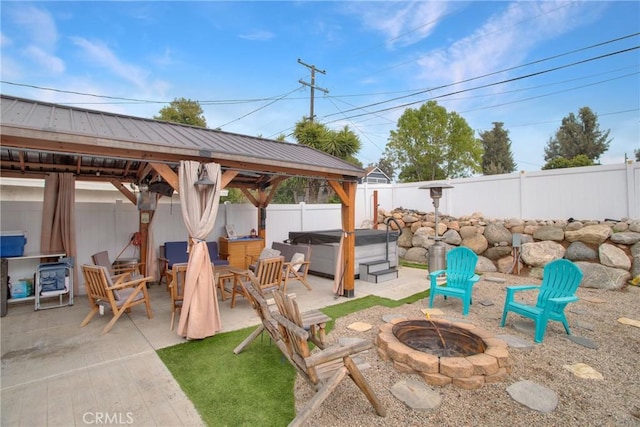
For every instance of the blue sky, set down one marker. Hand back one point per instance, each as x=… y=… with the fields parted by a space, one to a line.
x=527 y=64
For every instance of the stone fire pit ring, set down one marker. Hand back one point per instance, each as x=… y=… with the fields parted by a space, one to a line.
x=467 y=372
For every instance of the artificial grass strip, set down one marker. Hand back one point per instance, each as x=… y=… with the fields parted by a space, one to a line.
x=253 y=388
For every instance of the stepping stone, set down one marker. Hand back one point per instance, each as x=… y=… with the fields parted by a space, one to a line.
x=391 y=317
x=347 y=341
x=486 y=302
x=579 y=311
x=627 y=321
x=593 y=300
x=432 y=311
x=416 y=395
x=533 y=396
x=457 y=320
x=516 y=342
x=524 y=326
x=359 y=326
x=495 y=279
x=583 y=370
x=585 y=325
x=585 y=342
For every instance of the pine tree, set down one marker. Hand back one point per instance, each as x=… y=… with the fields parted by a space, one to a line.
x=497 y=157
x=578 y=135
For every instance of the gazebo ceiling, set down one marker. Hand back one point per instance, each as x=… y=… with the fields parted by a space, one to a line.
x=40 y=138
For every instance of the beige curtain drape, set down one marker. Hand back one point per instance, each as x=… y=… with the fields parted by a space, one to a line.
x=200 y=315
x=58 y=230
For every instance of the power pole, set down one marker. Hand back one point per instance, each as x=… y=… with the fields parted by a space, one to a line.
x=312 y=85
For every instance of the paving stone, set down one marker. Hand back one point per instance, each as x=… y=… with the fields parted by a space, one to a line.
x=391 y=316
x=516 y=342
x=359 y=326
x=582 y=370
x=593 y=300
x=524 y=326
x=585 y=342
x=432 y=311
x=533 y=396
x=585 y=325
x=416 y=395
x=457 y=320
x=347 y=341
x=495 y=279
x=579 y=311
x=627 y=321
x=486 y=302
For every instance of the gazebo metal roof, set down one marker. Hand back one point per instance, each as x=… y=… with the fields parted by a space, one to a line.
x=40 y=137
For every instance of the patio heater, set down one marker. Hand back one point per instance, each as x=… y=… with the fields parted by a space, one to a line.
x=437 y=260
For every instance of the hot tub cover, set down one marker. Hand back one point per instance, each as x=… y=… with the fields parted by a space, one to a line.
x=364 y=236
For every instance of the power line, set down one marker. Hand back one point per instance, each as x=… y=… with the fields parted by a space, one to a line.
x=488 y=84
x=421 y=91
x=262 y=107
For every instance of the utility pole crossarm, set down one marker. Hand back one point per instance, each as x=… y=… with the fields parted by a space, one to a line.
x=312 y=85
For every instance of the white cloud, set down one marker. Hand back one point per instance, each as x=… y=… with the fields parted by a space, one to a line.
x=403 y=23
x=38 y=25
x=259 y=35
x=50 y=63
x=5 y=41
x=505 y=39
x=101 y=56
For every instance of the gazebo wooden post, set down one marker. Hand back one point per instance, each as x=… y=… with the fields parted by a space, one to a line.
x=347 y=194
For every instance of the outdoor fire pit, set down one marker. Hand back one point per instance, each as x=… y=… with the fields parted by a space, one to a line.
x=442 y=352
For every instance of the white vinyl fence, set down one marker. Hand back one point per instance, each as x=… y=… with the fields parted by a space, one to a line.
x=105 y=221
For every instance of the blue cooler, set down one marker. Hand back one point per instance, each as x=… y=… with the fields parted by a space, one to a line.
x=12 y=243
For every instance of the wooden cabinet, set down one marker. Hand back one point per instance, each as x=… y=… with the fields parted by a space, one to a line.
x=239 y=251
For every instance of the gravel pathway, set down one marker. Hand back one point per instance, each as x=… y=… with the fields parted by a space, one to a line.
x=612 y=401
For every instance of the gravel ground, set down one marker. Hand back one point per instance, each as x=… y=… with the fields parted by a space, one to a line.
x=613 y=401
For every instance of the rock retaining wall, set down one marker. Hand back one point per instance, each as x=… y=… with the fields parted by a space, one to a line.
x=607 y=252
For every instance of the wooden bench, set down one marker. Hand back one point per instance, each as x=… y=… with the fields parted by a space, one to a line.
x=323 y=370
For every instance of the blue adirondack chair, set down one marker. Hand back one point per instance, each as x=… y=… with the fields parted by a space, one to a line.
x=461 y=265
x=560 y=279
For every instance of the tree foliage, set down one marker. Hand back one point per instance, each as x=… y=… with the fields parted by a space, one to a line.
x=561 y=162
x=343 y=144
x=430 y=143
x=579 y=135
x=497 y=157
x=185 y=111
x=637 y=153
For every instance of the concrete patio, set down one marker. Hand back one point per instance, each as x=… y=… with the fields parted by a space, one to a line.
x=55 y=373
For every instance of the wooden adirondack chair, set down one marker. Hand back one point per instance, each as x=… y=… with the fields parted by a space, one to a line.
x=313 y=321
x=460 y=272
x=118 y=293
x=268 y=273
x=560 y=280
x=323 y=370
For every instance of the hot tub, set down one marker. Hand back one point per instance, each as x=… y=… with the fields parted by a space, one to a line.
x=371 y=245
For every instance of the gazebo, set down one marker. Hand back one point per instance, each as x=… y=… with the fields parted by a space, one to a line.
x=40 y=138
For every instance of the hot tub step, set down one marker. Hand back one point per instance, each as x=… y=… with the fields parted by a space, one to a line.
x=386 y=275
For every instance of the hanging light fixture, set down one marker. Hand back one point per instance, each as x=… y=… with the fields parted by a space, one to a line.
x=203 y=178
